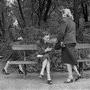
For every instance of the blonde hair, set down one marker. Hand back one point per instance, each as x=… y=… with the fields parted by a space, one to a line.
x=67 y=13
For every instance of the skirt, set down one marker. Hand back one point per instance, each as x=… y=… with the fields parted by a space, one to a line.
x=47 y=55
x=69 y=54
x=14 y=56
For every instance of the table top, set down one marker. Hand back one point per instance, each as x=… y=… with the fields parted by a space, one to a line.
x=82 y=46
x=35 y=46
x=25 y=47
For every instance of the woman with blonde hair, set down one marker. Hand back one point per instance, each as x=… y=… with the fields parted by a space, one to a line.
x=67 y=39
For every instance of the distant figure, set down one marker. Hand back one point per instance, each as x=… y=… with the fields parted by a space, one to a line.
x=13 y=56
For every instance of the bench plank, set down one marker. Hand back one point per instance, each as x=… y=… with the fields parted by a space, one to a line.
x=82 y=46
x=84 y=60
x=22 y=62
x=25 y=47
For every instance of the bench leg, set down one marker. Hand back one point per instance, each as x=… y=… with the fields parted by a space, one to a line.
x=6 y=66
x=81 y=68
x=7 y=63
x=25 y=71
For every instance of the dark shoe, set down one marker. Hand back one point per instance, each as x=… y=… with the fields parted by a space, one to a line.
x=69 y=81
x=77 y=78
x=20 y=72
x=4 y=72
x=49 y=82
x=41 y=76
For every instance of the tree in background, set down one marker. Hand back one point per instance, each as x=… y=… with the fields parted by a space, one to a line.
x=2 y=18
x=85 y=9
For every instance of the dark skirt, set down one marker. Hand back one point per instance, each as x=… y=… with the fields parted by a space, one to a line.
x=14 y=56
x=69 y=54
x=48 y=55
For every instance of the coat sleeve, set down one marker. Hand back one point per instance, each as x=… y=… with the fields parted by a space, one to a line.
x=60 y=36
x=61 y=31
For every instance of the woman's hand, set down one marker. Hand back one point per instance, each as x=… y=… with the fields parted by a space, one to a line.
x=48 y=49
x=39 y=56
x=62 y=44
x=53 y=40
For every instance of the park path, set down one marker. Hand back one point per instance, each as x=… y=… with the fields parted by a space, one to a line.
x=14 y=81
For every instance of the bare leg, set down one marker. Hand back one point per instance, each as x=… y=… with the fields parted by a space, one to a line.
x=79 y=75
x=76 y=70
x=20 y=68
x=49 y=81
x=69 y=68
x=6 y=66
x=48 y=71
x=43 y=67
x=70 y=75
x=4 y=70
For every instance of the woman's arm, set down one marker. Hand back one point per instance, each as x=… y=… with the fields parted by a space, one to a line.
x=52 y=40
x=61 y=31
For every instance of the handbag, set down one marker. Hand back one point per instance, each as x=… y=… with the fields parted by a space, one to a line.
x=57 y=46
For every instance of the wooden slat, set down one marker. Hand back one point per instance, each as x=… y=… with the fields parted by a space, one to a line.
x=25 y=47
x=82 y=46
x=35 y=47
x=84 y=60
x=22 y=62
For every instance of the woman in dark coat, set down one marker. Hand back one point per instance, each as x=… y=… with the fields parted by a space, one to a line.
x=67 y=35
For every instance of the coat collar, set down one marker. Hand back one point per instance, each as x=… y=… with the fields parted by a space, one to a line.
x=67 y=18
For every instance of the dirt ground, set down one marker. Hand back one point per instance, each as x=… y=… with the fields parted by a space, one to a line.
x=15 y=81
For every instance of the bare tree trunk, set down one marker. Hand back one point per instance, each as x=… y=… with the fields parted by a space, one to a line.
x=3 y=25
x=76 y=17
x=32 y=4
x=40 y=10
x=47 y=9
x=2 y=20
x=85 y=12
x=21 y=13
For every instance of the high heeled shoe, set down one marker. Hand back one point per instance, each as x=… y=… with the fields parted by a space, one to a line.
x=77 y=78
x=41 y=76
x=49 y=82
x=20 y=72
x=4 y=72
x=69 y=81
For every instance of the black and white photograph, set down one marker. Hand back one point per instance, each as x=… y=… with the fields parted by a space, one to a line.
x=44 y=44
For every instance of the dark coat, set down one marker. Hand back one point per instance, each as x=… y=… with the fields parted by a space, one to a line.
x=69 y=54
x=67 y=31
x=67 y=35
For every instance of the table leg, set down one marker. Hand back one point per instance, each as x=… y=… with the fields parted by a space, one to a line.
x=81 y=68
x=25 y=71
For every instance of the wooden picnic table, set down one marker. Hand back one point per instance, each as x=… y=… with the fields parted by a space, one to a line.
x=24 y=48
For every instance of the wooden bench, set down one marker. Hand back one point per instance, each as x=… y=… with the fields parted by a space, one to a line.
x=82 y=61
x=33 y=47
x=24 y=48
